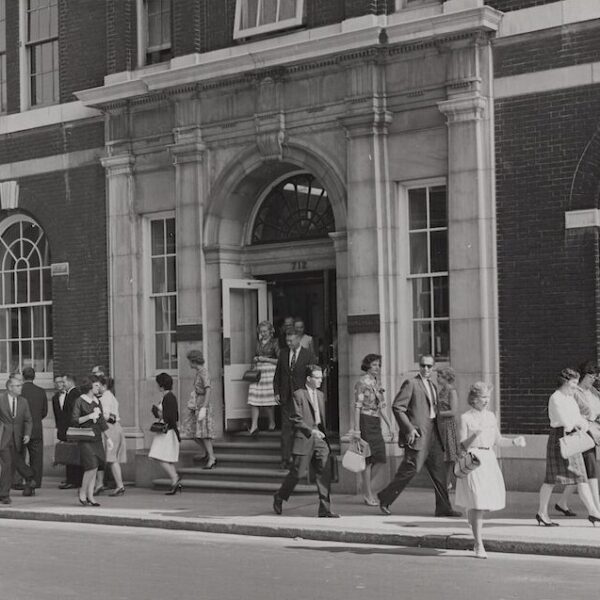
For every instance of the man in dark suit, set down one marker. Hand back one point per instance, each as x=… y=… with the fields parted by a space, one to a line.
x=38 y=406
x=415 y=408
x=58 y=402
x=15 y=431
x=74 y=472
x=289 y=377
x=310 y=443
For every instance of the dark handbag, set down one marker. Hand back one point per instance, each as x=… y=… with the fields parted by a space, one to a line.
x=67 y=453
x=465 y=464
x=332 y=467
x=251 y=376
x=159 y=427
x=80 y=434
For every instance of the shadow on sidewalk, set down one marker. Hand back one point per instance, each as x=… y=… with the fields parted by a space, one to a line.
x=373 y=550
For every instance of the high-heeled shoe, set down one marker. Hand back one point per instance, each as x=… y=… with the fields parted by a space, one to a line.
x=254 y=432
x=565 y=511
x=82 y=502
x=118 y=492
x=176 y=487
x=99 y=490
x=541 y=521
x=92 y=503
x=370 y=501
x=593 y=520
x=479 y=552
x=211 y=465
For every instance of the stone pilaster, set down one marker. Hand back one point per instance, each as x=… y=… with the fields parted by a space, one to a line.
x=125 y=334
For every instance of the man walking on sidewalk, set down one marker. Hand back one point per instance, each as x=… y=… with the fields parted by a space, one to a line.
x=415 y=409
x=74 y=472
x=310 y=443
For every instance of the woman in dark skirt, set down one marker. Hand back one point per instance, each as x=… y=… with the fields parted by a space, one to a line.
x=87 y=414
x=368 y=412
x=564 y=418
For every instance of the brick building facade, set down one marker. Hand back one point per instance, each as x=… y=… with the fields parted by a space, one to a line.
x=157 y=134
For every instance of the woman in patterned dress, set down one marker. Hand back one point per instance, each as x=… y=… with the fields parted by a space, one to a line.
x=261 y=393
x=368 y=412
x=199 y=424
x=565 y=417
x=448 y=410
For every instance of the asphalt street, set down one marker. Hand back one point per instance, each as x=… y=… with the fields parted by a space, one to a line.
x=50 y=561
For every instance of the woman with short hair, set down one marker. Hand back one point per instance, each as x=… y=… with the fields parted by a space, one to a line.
x=482 y=489
x=165 y=446
x=87 y=414
x=369 y=405
x=564 y=418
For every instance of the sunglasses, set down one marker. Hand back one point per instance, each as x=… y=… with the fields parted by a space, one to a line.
x=426 y=366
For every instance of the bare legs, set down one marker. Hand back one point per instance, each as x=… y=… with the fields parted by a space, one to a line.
x=475 y=518
x=86 y=491
x=170 y=470
x=115 y=468
x=585 y=493
x=255 y=412
x=210 y=453
x=367 y=479
x=563 y=501
x=593 y=483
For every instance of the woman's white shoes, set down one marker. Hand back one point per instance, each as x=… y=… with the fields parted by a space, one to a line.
x=480 y=552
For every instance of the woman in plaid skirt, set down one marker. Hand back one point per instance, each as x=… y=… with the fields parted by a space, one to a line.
x=565 y=417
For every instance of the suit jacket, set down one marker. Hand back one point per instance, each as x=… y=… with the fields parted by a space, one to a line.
x=303 y=420
x=38 y=406
x=67 y=413
x=62 y=421
x=411 y=410
x=14 y=428
x=285 y=381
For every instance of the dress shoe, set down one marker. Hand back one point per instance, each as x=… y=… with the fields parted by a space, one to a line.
x=567 y=512
x=480 y=552
x=118 y=492
x=277 y=504
x=67 y=486
x=29 y=489
x=450 y=513
x=5 y=500
x=329 y=515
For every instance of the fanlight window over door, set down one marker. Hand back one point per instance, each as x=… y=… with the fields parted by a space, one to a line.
x=25 y=296
x=295 y=209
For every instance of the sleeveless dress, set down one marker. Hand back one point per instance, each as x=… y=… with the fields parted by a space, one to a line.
x=262 y=393
x=368 y=397
x=483 y=488
x=447 y=425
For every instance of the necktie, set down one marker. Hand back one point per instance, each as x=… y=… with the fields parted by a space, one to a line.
x=293 y=360
x=13 y=402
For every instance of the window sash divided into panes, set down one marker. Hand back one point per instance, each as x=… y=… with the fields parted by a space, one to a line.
x=163 y=293
x=158 y=20
x=255 y=17
x=429 y=283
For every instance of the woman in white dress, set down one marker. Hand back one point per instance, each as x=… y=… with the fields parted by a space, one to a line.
x=165 y=446
x=483 y=488
x=118 y=453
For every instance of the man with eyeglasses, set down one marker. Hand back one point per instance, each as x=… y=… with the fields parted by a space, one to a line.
x=415 y=409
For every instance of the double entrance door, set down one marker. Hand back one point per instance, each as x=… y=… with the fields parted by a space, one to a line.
x=307 y=296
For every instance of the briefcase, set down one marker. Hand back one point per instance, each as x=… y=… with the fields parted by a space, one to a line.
x=333 y=470
x=67 y=453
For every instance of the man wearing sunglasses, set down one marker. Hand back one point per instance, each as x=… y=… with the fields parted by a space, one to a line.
x=416 y=408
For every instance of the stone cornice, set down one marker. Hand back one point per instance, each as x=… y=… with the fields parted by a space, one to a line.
x=343 y=41
x=471 y=107
x=119 y=164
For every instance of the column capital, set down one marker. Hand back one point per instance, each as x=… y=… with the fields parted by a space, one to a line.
x=188 y=146
x=340 y=240
x=472 y=107
x=118 y=164
x=369 y=123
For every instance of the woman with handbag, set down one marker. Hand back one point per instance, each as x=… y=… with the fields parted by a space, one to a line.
x=260 y=392
x=448 y=411
x=565 y=418
x=482 y=488
x=165 y=445
x=87 y=414
x=368 y=413
x=118 y=453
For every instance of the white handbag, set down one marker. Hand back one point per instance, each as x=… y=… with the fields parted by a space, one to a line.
x=354 y=459
x=575 y=443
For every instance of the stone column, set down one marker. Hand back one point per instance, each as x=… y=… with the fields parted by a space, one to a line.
x=124 y=249
x=187 y=152
x=472 y=238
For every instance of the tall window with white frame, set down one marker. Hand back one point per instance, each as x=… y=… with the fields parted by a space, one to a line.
x=3 y=107
x=256 y=17
x=26 y=297
x=163 y=294
x=428 y=237
x=158 y=31
x=42 y=51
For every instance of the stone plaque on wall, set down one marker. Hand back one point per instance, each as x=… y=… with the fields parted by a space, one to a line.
x=189 y=333
x=364 y=324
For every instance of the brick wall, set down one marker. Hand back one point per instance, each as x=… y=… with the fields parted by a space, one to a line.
x=12 y=57
x=121 y=31
x=186 y=23
x=547 y=275
x=70 y=206
x=82 y=46
x=551 y=49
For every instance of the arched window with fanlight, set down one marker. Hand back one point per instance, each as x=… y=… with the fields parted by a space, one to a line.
x=295 y=209
x=25 y=296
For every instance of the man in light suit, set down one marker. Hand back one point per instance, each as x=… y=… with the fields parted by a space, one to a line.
x=310 y=443
x=289 y=377
x=415 y=409
x=15 y=432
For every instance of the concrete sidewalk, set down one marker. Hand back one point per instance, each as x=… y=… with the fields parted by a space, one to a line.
x=412 y=524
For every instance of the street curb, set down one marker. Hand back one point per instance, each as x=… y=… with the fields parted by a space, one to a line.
x=441 y=542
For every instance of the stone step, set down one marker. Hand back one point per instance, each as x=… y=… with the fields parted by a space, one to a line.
x=235 y=486
x=233 y=472
x=251 y=445
x=249 y=460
